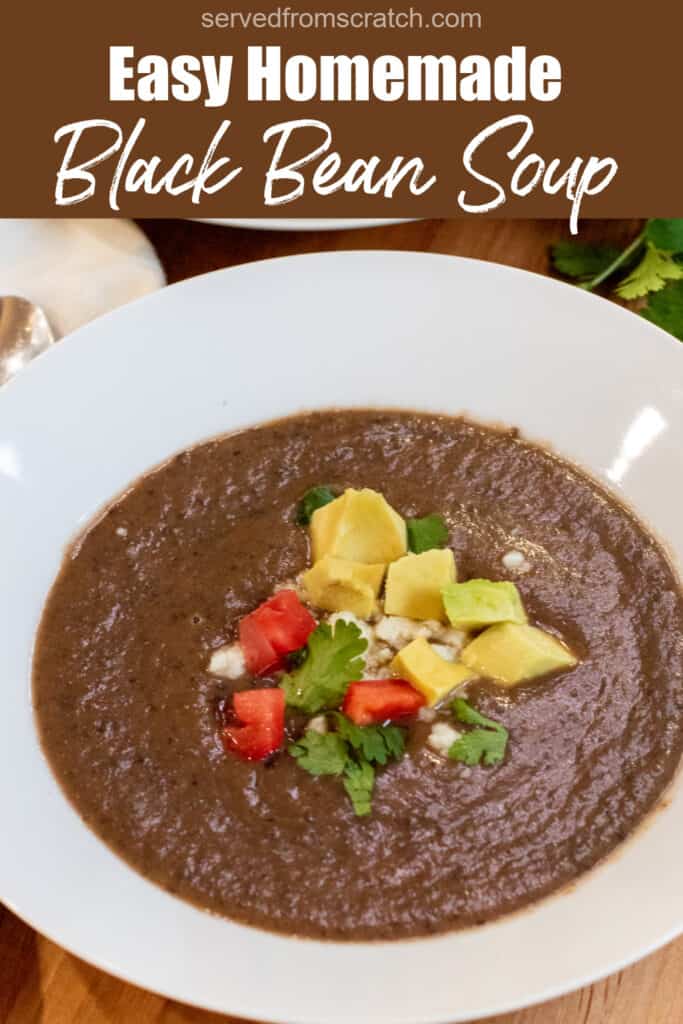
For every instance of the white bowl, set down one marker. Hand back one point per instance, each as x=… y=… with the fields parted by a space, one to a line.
x=244 y=345
x=299 y=223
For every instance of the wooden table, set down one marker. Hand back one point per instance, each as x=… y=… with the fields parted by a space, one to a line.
x=41 y=983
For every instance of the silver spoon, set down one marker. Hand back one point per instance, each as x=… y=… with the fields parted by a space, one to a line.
x=24 y=334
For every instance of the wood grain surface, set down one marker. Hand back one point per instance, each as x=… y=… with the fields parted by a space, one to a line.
x=39 y=982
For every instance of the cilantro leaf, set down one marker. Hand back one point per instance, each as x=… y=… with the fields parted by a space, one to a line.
x=658 y=272
x=651 y=274
x=394 y=740
x=666 y=234
x=359 y=781
x=478 y=745
x=376 y=743
x=582 y=260
x=464 y=712
x=427 y=533
x=487 y=743
x=350 y=751
x=334 y=660
x=295 y=658
x=313 y=499
x=665 y=309
x=320 y=754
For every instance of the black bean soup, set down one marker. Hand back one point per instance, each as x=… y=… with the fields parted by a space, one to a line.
x=129 y=714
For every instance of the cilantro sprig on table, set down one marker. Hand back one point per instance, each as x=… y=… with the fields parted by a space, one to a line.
x=486 y=743
x=351 y=752
x=650 y=266
x=333 y=659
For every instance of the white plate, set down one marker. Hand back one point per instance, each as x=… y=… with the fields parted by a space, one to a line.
x=77 y=269
x=243 y=345
x=298 y=223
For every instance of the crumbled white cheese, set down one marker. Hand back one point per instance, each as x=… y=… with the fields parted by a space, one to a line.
x=453 y=638
x=515 y=561
x=429 y=628
x=445 y=652
x=398 y=631
x=377 y=658
x=426 y=714
x=228 y=662
x=442 y=737
x=317 y=724
x=382 y=654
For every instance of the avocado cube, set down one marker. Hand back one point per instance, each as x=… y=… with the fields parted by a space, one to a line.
x=340 y=586
x=414 y=584
x=432 y=675
x=359 y=526
x=479 y=603
x=510 y=653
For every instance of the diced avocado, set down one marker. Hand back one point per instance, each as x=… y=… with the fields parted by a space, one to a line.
x=340 y=586
x=414 y=584
x=479 y=603
x=512 y=653
x=324 y=525
x=359 y=526
x=420 y=665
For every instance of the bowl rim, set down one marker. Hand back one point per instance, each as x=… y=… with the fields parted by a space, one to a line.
x=351 y=255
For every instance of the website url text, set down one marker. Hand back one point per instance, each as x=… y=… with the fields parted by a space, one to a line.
x=287 y=18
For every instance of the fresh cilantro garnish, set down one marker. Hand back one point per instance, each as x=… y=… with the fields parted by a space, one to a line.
x=376 y=743
x=314 y=498
x=334 y=660
x=666 y=234
x=324 y=754
x=582 y=260
x=295 y=658
x=351 y=752
x=651 y=265
x=359 y=780
x=427 y=533
x=666 y=309
x=486 y=743
x=478 y=745
x=650 y=275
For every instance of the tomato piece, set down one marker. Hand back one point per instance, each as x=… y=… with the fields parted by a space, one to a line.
x=279 y=625
x=381 y=700
x=262 y=714
x=259 y=654
x=285 y=621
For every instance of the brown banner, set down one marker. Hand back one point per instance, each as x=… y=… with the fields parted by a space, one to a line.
x=149 y=108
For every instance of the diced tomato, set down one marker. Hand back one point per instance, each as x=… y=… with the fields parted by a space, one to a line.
x=287 y=623
x=381 y=700
x=259 y=654
x=279 y=625
x=262 y=713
